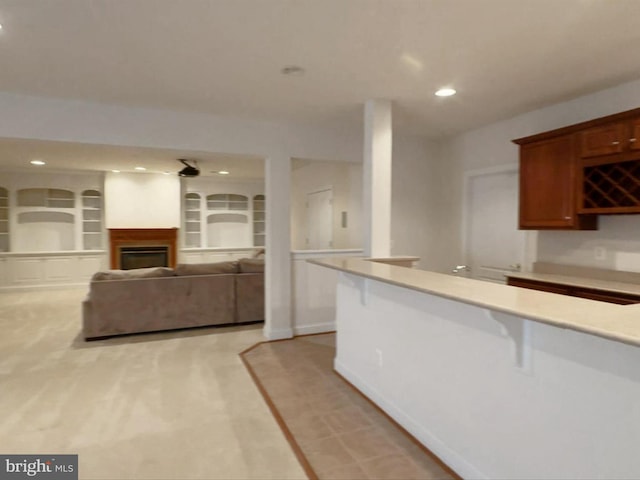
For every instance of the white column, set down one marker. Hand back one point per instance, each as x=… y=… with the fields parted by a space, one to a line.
x=377 y=178
x=278 y=248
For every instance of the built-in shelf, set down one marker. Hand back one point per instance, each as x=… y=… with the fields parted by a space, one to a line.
x=193 y=237
x=4 y=220
x=92 y=220
x=215 y=220
x=227 y=201
x=259 y=219
x=611 y=187
x=46 y=197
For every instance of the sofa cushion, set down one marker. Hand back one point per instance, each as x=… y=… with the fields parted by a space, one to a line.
x=152 y=272
x=251 y=265
x=206 y=268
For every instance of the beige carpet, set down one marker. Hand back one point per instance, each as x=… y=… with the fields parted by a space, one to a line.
x=158 y=406
x=337 y=433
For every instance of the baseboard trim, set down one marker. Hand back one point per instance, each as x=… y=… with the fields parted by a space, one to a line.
x=448 y=456
x=314 y=328
x=280 y=334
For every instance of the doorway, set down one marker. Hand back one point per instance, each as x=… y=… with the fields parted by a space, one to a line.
x=320 y=219
x=492 y=244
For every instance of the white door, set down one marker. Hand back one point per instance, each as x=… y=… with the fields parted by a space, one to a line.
x=493 y=244
x=320 y=220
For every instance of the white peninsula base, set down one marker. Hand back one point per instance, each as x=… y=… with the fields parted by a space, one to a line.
x=494 y=395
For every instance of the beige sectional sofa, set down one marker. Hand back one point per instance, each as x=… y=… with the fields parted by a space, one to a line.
x=153 y=299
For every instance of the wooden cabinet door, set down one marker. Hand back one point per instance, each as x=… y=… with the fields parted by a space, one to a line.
x=547 y=184
x=634 y=140
x=603 y=140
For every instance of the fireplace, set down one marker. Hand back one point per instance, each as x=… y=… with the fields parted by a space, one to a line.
x=142 y=247
x=143 y=257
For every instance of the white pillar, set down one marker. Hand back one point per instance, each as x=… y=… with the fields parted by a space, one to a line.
x=278 y=248
x=377 y=178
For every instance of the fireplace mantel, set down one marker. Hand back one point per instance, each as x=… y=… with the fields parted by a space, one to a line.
x=139 y=237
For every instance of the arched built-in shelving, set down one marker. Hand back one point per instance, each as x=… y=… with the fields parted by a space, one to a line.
x=46 y=197
x=225 y=229
x=45 y=231
x=227 y=201
x=43 y=220
x=4 y=220
x=223 y=220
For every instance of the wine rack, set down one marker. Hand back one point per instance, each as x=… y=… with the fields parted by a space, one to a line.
x=611 y=188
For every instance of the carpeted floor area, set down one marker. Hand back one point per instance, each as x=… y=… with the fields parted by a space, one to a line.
x=173 y=405
x=336 y=432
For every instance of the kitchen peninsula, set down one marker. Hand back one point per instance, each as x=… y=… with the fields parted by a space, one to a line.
x=498 y=381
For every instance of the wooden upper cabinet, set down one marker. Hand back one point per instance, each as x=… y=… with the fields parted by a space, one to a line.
x=610 y=138
x=603 y=140
x=548 y=185
x=634 y=138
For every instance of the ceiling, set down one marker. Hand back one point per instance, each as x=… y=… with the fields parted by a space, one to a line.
x=224 y=57
x=15 y=154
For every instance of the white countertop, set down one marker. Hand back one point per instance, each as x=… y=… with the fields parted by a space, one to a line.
x=616 y=322
x=618 y=287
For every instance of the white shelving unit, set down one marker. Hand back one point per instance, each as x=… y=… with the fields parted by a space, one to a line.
x=227 y=201
x=46 y=198
x=213 y=218
x=91 y=220
x=193 y=237
x=259 y=212
x=51 y=229
x=46 y=220
x=4 y=220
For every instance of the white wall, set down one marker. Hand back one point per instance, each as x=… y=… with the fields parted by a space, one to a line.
x=142 y=200
x=619 y=236
x=419 y=204
x=345 y=180
x=491 y=146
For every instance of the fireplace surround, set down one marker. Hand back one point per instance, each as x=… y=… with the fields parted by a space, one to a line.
x=143 y=246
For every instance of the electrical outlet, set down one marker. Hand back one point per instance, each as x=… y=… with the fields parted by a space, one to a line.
x=379 y=353
x=600 y=253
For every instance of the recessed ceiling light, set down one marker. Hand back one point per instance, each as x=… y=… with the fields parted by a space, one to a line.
x=0 y=26
x=292 y=70
x=223 y=172
x=37 y=162
x=445 y=92
x=115 y=171
x=142 y=169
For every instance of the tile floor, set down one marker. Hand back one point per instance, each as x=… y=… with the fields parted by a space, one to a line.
x=340 y=433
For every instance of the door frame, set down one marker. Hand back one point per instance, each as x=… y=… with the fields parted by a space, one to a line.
x=529 y=250
x=318 y=190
